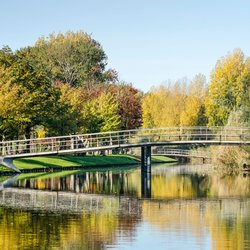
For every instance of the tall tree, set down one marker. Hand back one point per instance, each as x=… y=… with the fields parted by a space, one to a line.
x=76 y=59
x=229 y=87
x=69 y=118
x=129 y=104
x=11 y=116
x=194 y=109
x=39 y=97
x=162 y=106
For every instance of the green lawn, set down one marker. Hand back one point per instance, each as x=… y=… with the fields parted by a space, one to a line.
x=70 y=161
x=162 y=159
x=80 y=161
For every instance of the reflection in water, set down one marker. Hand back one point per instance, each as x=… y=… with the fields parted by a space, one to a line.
x=145 y=185
x=188 y=209
x=164 y=182
x=109 y=182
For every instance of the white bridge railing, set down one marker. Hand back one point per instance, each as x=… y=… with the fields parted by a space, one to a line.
x=181 y=152
x=126 y=138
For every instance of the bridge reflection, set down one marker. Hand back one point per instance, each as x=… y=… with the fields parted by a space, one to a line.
x=91 y=182
x=146 y=185
x=99 y=182
x=93 y=191
x=68 y=202
x=63 y=218
x=117 y=203
x=163 y=182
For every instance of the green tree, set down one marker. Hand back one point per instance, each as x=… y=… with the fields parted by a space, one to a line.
x=71 y=105
x=102 y=114
x=75 y=58
x=11 y=113
x=11 y=116
x=39 y=97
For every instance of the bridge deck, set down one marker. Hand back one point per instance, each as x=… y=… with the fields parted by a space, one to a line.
x=16 y=154
x=122 y=140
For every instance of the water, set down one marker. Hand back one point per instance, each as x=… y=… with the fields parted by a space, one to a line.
x=177 y=207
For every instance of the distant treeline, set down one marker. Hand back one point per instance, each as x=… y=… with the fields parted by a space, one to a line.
x=61 y=86
x=225 y=100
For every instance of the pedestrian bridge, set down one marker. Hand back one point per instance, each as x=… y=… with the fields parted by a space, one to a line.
x=117 y=140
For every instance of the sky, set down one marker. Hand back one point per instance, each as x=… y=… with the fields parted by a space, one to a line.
x=148 y=42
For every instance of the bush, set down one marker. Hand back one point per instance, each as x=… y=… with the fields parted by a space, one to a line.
x=229 y=159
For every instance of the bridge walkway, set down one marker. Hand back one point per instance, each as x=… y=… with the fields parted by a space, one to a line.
x=119 y=140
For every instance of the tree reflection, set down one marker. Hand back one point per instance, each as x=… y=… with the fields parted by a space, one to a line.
x=36 y=230
x=161 y=184
x=178 y=203
x=228 y=222
x=109 y=182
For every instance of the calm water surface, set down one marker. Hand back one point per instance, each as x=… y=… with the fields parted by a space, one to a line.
x=176 y=207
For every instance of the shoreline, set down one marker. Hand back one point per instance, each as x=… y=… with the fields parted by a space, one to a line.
x=66 y=163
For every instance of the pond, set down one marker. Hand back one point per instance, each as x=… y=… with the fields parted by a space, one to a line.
x=176 y=207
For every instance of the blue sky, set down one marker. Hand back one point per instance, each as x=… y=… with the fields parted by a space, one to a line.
x=147 y=41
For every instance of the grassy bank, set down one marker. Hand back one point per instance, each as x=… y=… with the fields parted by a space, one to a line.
x=73 y=161
x=60 y=162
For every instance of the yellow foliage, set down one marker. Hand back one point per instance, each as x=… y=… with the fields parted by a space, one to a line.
x=227 y=87
x=174 y=105
x=40 y=132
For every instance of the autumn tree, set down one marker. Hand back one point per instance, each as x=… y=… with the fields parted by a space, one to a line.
x=245 y=108
x=129 y=105
x=129 y=101
x=153 y=104
x=229 y=88
x=194 y=107
x=61 y=86
x=162 y=106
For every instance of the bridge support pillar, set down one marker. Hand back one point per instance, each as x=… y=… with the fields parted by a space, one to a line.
x=8 y=162
x=146 y=159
